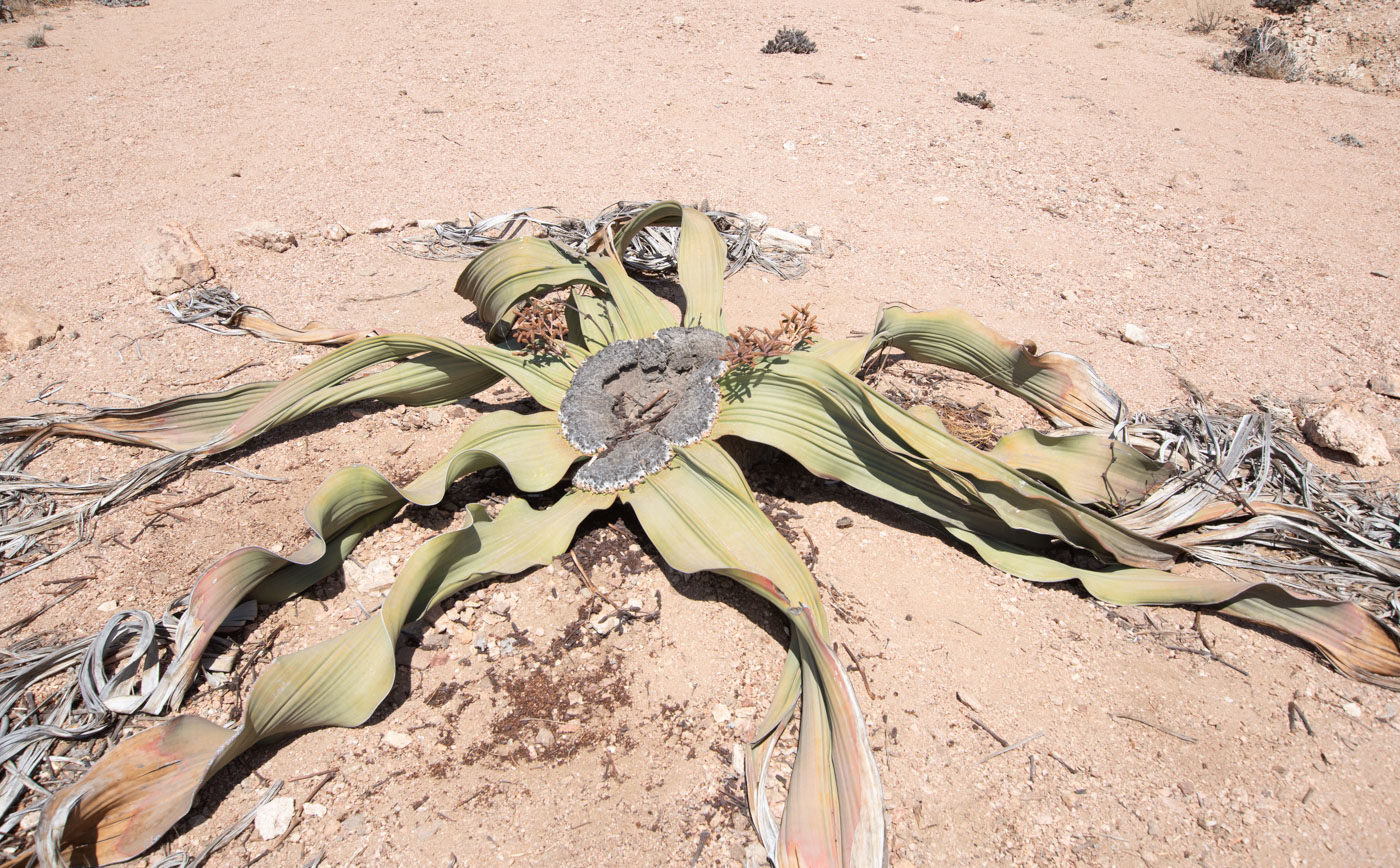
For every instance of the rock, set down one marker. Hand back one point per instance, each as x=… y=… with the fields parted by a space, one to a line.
x=376 y=575
x=1352 y=710
x=1185 y=181
x=755 y=856
x=1135 y=334
x=721 y=713
x=108 y=606
x=383 y=224
x=275 y=817
x=606 y=625
x=844 y=522
x=430 y=222
x=352 y=823
x=311 y=809
x=939 y=200
x=175 y=261
x=397 y=740
x=545 y=737
x=1069 y=295
x=23 y=327
x=814 y=233
x=1384 y=384
x=1342 y=428
x=499 y=604
x=334 y=232
x=268 y=236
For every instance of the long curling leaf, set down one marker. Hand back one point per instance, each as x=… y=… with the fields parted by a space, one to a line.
x=700 y=256
x=1355 y=642
x=701 y=515
x=144 y=785
x=343 y=508
x=1061 y=386
x=812 y=388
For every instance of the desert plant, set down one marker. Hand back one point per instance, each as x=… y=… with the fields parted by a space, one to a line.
x=1283 y=7
x=36 y=40
x=634 y=404
x=1210 y=14
x=789 y=40
x=1263 y=52
x=978 y=100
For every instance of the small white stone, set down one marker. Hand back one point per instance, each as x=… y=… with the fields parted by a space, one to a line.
x=383 y=224
x=1136 y=334
x=311 y=809
x=1352 y=710
x=374 y=576
x=396 y=739
x=607 y=625
x=777 y=238
x=109 y=606
x=721 y=713
x=939 y=200
x=789 y=145
x=274 y=818
x=334 y=232
x=814 y=232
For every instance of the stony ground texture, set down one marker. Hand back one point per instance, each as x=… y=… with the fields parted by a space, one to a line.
x=1117 y=180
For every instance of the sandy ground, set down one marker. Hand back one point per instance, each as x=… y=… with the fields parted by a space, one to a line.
x=1117 y=179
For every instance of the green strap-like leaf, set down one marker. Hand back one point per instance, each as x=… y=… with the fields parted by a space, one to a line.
x=1061 y=386
x=503 y=277
x=1354 y=641
x=1090 y=468
x=346 y=506
x=144 y=785
x=700 y=256
x=500 y=280
x=439 y=371
x=701 y=515
x=808 y=389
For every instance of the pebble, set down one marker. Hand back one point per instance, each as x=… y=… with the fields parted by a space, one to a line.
x=396 y=739
x=1352 y=710
x=1384 y=384
x=383 y=224
x=606 y=625
x=373 y=576
x=1135 y=334
x=721 y=713
x=268 y=236
x=274 y=818
x=844 y=522
x=109 y=606
x=939 y=200
x=311 y=809
x=545 y=737
x=334 y=232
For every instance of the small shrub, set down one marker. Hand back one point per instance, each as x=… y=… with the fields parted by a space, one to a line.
x=36 y=40
x=1262 y=53
x=1210 y=14
x=978 y=99
x=790 y=40
x=1283 y=7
